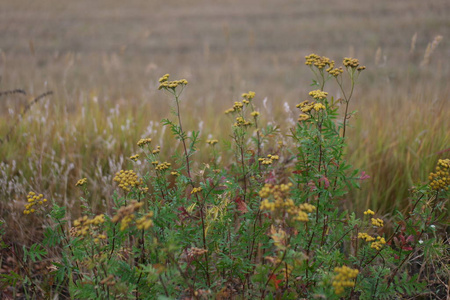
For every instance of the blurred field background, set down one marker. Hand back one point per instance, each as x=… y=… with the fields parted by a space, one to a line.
x=102 y=60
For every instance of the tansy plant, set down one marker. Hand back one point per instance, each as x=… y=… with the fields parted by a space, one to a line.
x=272 y=224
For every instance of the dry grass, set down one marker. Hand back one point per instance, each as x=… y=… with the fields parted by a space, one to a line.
x=102 y=59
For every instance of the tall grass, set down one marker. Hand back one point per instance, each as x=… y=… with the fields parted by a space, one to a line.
x=105 y=97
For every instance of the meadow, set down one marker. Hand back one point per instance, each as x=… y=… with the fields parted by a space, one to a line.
x=102 y=62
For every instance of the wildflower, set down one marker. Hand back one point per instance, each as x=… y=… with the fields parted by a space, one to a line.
x=361 y=68
x=440 y=179
x=377 y=222
x=336 y=71
x=302 y=104
x=212 y=142
x=125 y=214
x=319 y=106
x=282 y=204
x=164 y=83
x=378 y=244
x=369 y=212
x=350 y=62
x=84 y=225
x=307 y=108
x=366 y=237
x=127 y=179
x=32 y=201
x=240 y=121
x=163 y=166
x=238 y=106
x=157 y=150
x=175 y=174
x=81 y=182
x=134 y=157
x=303 y=117
x=196 y=190
x=249 y=96
x=318 y=94
x=344 y=278
x=254 y=114
x=142 y=142
x=318 y=61
x=145 y=222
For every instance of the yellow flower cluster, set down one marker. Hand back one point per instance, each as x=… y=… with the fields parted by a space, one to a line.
x=127 y=180
x=134 y=157
x=145 y=222
x=303 y=117
x=318 y=61
x=142 y=142
x=377 y=222
x=282 y=203
x=33 y=200
x=236 y=107
x=212 y=142
x=157 y=150
x=254 y=114
x=306 y=106
x=335 y=71
x=83 y=225
x=318 y=94
x=319 y=106
x=352 y=63
x=366 y=237
x=81 y=182
x=249 y=96
x=196 y=190
x=163 y=166
x=174 y=173
x=164 y=83
x=376 y=243
x=344 y=278
x=440 y=180
x=369 y=212
x=240 y=121
x=269 y=159
x=125 y=214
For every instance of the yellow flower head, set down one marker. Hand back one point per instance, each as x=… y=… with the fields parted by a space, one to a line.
x=249 y=96
x=318 y=94
x=377 y=222
x=196 y=190
x=369 y=212
x=350 y=62
x=127 y=180
x=143 y=142
x=212 y=142
x=33 y=200
x=440 y=179
x=344 y=278
x=164 y=83
x=81 y=182
x=134 y=157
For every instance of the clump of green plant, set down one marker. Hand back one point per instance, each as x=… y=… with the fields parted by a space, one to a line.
x=270 y=225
